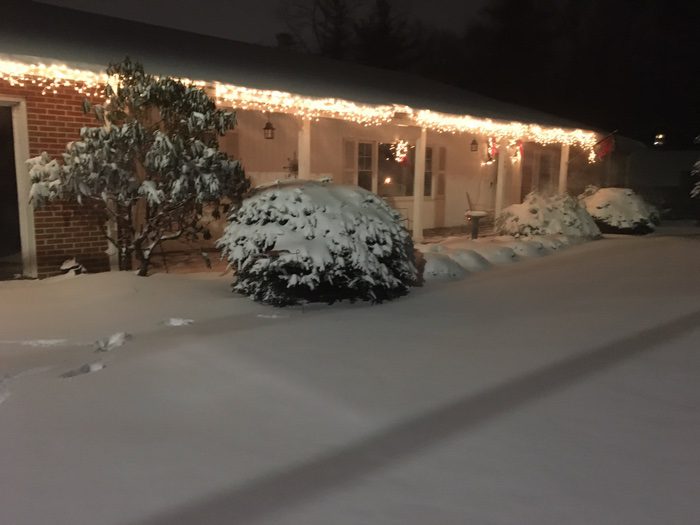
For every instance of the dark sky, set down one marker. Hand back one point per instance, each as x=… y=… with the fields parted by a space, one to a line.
x=638 y=76
x=254 y=21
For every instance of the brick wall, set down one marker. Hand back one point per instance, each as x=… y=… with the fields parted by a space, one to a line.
x=69 y=230
x=63 y=230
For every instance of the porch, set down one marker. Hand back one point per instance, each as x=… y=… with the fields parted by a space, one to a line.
x=430 y=177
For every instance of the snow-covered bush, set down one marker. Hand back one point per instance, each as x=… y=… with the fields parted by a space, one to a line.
x=546 y=215
x=298 y=241
x=470 y=260
x=695 y=192
x=151 y=163
x=439 y=266
x=619 y=210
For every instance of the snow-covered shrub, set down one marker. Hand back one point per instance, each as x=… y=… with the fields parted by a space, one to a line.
x=546 y=215
x=619 y=210
x=524 y=248
x=468 y=259
x=299 y=241
x=439 y=266
x=73 y=267
x=695 y=192
x=151 y=163
x=495 y=253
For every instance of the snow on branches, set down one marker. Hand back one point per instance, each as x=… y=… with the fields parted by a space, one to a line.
x=151 y=164
x=300 y=241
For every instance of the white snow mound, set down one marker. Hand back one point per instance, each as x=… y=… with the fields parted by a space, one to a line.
x=468 y=259
x=439 y=266
x=619 y=209
x=547 y=215
x=177 y=321
x=113 y=341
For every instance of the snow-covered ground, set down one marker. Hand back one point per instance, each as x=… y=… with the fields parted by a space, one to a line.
x=561 y=389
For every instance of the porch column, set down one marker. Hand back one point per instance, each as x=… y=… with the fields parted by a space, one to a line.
x=564 y=168
x=304 y=156
x=419 y=187
x=501 y=175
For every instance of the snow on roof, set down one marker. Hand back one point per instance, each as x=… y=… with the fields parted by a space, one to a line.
x=74 y=37
x=28 y=28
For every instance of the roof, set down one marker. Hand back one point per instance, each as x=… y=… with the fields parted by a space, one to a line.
x=75 y=37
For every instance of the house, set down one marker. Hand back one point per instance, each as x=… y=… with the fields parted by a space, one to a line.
x=433 y=151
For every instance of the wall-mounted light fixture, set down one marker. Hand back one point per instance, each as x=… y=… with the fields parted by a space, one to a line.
x=475 y=145
x=269 y=129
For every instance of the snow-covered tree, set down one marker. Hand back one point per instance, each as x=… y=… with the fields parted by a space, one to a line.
x=300 y=241
x=150 y=166
x=620 y=210
x=547 y=215
x=696 y=189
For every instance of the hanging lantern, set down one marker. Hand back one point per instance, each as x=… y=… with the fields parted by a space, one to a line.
x=269 y=129
x=475 y=145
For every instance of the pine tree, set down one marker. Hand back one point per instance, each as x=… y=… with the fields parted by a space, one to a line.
x=150 y=167
x=385 y=39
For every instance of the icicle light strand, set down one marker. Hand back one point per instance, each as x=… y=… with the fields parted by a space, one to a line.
x=52 y=77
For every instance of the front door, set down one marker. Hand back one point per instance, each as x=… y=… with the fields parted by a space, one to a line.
x=540 y=169
x=10 y=243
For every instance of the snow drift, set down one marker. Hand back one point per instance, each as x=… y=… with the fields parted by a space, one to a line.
x=298 y=241
x=547 y=215
x=619 y=210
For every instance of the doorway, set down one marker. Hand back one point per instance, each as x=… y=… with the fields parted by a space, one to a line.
x=540 y=170
x=10 y=242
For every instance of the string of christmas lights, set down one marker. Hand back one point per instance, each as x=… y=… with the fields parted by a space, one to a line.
x=303 y=107
x=51 y=77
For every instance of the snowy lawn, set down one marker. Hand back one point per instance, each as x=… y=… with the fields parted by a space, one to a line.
x=561 y=389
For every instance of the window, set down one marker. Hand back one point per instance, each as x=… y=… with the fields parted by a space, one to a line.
x=442 y=167
x=364 y=165
x=395 y=176
x=428 y=172
x=379 y=169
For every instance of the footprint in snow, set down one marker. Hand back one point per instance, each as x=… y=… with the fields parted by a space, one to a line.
x=177 y=321
x=85 y=369
x=111 y=342
x=38 y=343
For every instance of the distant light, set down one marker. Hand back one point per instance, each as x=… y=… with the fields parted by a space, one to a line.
x=387 y=180
x=659 y=139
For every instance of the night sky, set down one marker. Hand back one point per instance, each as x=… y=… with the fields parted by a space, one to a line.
x=255 y=21
x=635 y=74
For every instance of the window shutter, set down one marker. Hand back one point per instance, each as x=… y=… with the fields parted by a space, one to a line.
x=441 y=176
x=442 y=162
x=349 y=161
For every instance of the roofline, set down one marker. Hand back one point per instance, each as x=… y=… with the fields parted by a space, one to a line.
x=90 y=79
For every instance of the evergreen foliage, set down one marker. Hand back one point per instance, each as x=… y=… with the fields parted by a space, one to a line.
x=150 y=166
x=305 y=241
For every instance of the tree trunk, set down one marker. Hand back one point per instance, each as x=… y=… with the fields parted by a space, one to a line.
x=143 y=267
x=125 y=236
